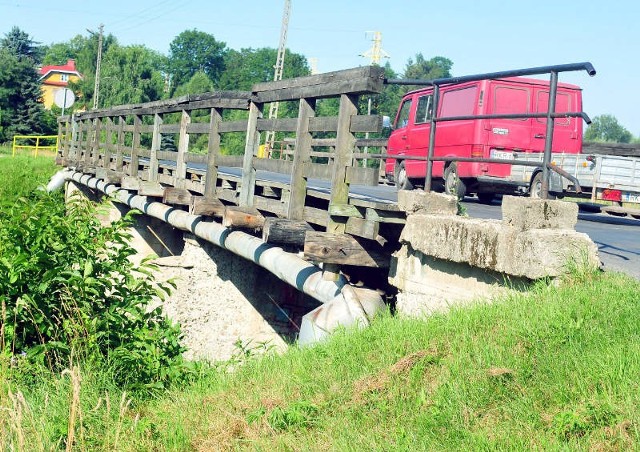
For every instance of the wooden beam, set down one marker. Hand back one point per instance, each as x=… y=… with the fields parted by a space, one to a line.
x=148 y=188
x=210 y=207
x=242 y=217
x=344 y=250
x=345 y=210
x=183 y=146
x=211 y=179
x=156 y=142
x=619 y=149
x=135 y=146
x=178 y=196
x=120 y=143
x=301 y=159
x=130 y=183
x=248 y=185
x=284 y=231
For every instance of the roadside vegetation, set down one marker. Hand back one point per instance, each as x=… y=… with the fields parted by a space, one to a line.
x=83 y=366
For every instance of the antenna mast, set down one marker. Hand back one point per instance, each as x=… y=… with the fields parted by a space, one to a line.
x=277 y=73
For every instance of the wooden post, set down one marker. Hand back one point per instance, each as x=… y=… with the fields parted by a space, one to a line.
x=345 y=144
x=301 y=158
x=155 y=147
x=120 y=143
x=242 y=217
x=95 y=147
x=135 y=146
x=183 y=148
x=211 y=178
x=74 y=138
x=108 y=146
x=248 y=187
x=281 y=230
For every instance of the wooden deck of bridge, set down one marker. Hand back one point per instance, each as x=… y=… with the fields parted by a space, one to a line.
x=124 y=145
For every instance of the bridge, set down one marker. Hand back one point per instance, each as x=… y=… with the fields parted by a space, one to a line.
x=309 y=212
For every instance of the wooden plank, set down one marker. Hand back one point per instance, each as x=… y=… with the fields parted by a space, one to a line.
x=619 y=149
x=285 y=231
x=149 y=188
x=316 y=216
x=242 y=217
x=359 y=123
x=363 y=228
x=385 y=216
x=367 y=79
x=344 y=250
x=229 y=160
x=272 y=165
x=113 y=177
x=130 y=183
x=345 y=210
x=234 y=126
x=301 y=159
x=167 y=155
x=170 y=128
x=206 y=207
x=278 y=124
x=195 y=158
x=273 y=206
x=198 y=127
x=345 y=143
x=156 y=142
x=248 y=184
x=183 y=146
x=135 y=162
x=179 y=196
x=213 y=149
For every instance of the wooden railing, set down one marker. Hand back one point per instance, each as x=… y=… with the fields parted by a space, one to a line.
x=212 y=163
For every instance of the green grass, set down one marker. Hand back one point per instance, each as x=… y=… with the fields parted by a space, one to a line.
x=554 y=369
x=21 y=174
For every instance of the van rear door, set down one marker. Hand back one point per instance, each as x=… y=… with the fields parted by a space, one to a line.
x=567 y=132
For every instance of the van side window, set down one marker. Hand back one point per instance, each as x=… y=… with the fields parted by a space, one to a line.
x=563 y=105
x=403 y=116
x=424 y=109
x=508 y=100
x=458 y=102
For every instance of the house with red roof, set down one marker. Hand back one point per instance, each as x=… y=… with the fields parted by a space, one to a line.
x=54 y=78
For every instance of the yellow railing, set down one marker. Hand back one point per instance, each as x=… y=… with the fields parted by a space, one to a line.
x=37 y=147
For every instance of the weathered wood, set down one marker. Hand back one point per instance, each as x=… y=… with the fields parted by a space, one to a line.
x=206 y=207
x=359 y=123
x=183 y=146
x=385 y=216
x=344 y=250
x=345 y=143
x=248 y=185
x=284 y=231
x=101 y=173
x=368 y=79
x=213 y=149
x=242 y=217
x=619 y=149
x=130 y=183
x=135 y=162
x=345 y=210
x=301 y=159
x=156 y=141
x=277 y=124
x=178 y=196
x=120 y=144
x=274 y=166
x=363 y=228
x=113 y=177
x=149 y=188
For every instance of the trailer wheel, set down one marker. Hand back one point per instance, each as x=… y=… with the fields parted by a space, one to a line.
x=535 y=189
x=453 y=185
x=401 y=178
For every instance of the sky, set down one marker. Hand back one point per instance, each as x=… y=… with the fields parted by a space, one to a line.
x=478 y=36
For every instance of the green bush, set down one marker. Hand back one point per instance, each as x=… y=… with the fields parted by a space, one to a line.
x=69 y=292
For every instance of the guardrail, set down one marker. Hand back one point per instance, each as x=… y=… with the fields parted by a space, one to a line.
x=36 y=139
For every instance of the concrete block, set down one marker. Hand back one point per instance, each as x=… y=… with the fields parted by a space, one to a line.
x=526 y=213
x=412 y=201
x=458 y=239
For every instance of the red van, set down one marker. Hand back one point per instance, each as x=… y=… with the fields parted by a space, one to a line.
x=480 y=138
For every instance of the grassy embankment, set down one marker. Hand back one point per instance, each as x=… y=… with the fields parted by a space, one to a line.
x=558 y=368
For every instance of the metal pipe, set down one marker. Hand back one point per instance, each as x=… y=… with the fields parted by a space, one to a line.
x=432 y=138
x=289 y=268
x=548 y=141
x=585 y=66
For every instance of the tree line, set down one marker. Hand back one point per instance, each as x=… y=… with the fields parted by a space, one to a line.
x=196 y=62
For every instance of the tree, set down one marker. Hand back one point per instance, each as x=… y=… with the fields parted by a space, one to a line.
x=131 y=74
x=197 y=84
x=192 y=51
x=247 y=67
x=607 y=128
x=20 y=44
x=436 y=67
x=20 y=90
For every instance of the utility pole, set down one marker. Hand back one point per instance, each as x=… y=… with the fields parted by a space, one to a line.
x=96 y=86
x=277 y=74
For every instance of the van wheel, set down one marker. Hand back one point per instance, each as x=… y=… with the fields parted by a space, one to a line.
x=453 y=185
x=535 y=189
x=402 y=180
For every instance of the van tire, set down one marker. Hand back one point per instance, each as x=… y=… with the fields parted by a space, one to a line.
x=453 y=185
x=535 y=188
x=401 y=178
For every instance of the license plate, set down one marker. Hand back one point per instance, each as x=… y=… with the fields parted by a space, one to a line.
x=504 y=155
